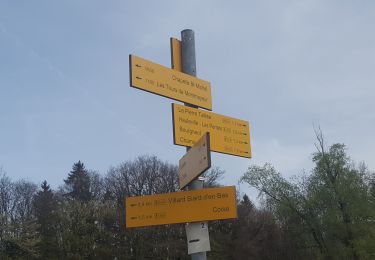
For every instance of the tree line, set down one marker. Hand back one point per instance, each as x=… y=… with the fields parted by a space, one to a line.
x=327 y=213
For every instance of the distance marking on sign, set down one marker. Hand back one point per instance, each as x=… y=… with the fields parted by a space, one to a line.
x=181 y=207
x=196 y=161
x=157 y=79
x=227 y=135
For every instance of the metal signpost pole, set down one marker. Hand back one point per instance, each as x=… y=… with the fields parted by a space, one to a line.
x=230 y=136
x=189 y=67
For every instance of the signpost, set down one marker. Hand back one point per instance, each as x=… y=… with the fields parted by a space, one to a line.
x=181 y=207
x=195 y=162
x=170 y=83
x=227 y=135
x=188 y=66
x=201 y=130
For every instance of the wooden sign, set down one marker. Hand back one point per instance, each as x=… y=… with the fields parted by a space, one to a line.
x=181 y=207
x=155 y=78
x=227 y=135
x=196 y=161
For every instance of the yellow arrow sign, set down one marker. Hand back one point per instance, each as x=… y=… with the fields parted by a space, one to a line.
x=181 y=207
x=227 y=135
x=170 y=83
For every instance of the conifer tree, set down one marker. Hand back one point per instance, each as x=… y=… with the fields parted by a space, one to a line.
x=78 y=183
x=45 y=206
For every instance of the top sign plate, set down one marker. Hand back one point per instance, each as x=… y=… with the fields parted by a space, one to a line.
x=170 y=83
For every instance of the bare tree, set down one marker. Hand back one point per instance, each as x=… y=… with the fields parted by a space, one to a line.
x=22 y=203
x=213 y=176
x=5 y=202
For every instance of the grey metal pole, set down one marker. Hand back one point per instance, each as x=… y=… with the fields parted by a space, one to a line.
x=188 y=52
x=189 y=67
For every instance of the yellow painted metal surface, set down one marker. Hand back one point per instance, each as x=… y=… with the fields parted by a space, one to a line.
x=170 y=83
x=227 y=134
x=181 y=207
x=196 y=161
x=176 y=58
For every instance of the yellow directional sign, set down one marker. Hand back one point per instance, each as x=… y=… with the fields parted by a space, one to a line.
x=196 y=161
x=181 y=207
x=227 y=135
x=176 y=54
x=170 y=83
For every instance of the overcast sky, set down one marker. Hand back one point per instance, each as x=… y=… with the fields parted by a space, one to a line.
x=284 y=66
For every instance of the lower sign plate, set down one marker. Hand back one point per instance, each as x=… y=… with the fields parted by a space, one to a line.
x=181 y=207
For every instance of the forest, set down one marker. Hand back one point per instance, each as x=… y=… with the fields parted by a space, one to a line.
x=325 y=213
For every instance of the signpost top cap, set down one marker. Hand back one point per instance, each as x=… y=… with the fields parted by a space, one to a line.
x=187 y=31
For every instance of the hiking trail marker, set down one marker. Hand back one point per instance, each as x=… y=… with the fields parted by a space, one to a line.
x=181 y=207
x=201 y=130
x=163 y=81
x=227 y=134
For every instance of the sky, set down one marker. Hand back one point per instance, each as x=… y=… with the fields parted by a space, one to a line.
x=284 y=66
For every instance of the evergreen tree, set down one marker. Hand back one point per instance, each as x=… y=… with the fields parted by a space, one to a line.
x=78 y=183
x=45 y=206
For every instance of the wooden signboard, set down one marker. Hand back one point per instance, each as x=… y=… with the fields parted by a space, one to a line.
x=196 y=161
